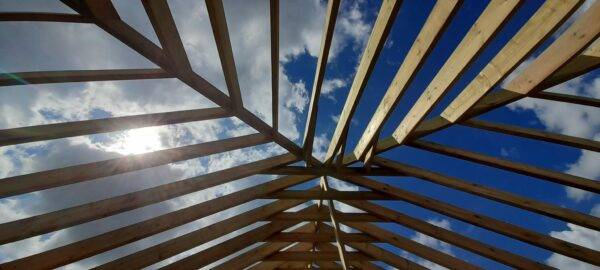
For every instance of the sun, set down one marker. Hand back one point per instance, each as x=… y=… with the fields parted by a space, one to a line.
x=138 y=141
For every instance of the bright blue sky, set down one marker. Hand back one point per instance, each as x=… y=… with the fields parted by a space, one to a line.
x=52 y=47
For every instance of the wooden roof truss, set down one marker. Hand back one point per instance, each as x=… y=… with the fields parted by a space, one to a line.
x=313 y=237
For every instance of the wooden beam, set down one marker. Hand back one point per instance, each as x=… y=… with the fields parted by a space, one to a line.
x=379 y=254
x=532 y=205
x=582 y=63
x=52 y=221
x=274 y=20
x=383 y=24
x=585 y=62
x=91 y=246
x=483 y=30
x=537 y=29
x=365 y=265
x=573 y=99
x=313 y=109
x=323 y=216
x=106 y=17
x=216 y=14
x=413 y=247
x=43 y=17
x=225 y=248
x=301 y=170
x=434 y=26
x=328 y=195
x=335 y=224
x=386 y=256
x=489 y=102
x=553 y=176
x=162 y=21
x=575 y=39
x=273 y=265
x=544 y=241
x=328 y=256
x=15 y=185
x=450 y=237
x=320 y=237
x=535 y=134
x=176 y=245
x=87 y=127
x=66 y=76
x=248 y=258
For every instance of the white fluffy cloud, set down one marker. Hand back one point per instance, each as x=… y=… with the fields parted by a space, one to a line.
x=330 y=85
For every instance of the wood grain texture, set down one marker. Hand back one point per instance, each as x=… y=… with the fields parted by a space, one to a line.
x=539 y=27
x=483 y=30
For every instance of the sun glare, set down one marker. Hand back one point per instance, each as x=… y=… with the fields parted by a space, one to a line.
x=137 y=141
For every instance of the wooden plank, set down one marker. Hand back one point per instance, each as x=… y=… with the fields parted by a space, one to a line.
x=434 y=26
x=544 y=241
x=450 y=237
x=386 y=256
x=327 y=195
x=483 y=30
x=576 y=67
x=413 y=247
x=87 y=127
x=575 y=39
x=301 y=170
x=176 y=245
x=313 y=109
x=587 y=61
x=537 y=29
x=320 y=237
x=91 y=246
x=323 y=216
x=15 y=185
x=52 y=221
x=225 y=248
x=216 y=14
x=106 y=17
x=530 y=133
x=162 y=21
x=532 y=205
x=274 y=20
x=573 y=99
x=365 y=265
x=69 y=76
x=335 y=224
x=43 y=17
x=273 y=265
x=328 y=256
x=375 y=252
x=248 y=258
x=553 y=176
x=383 y=24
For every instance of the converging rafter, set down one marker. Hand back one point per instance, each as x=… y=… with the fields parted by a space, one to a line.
x=337 y=212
